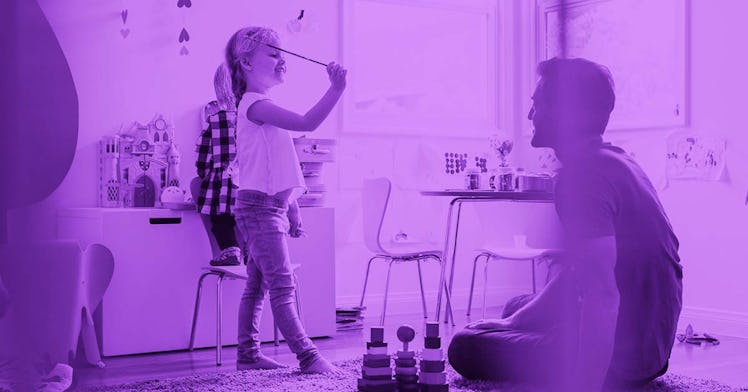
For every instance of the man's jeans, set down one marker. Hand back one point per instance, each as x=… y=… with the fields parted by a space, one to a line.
x=264 y=225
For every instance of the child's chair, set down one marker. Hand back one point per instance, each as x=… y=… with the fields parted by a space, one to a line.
x=238 y=272
x=376 y=195
x=520 y=252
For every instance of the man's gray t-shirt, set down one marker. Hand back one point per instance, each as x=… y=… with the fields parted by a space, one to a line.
x=603 y=192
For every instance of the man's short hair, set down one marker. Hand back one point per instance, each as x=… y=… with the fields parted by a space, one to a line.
x=582 y=87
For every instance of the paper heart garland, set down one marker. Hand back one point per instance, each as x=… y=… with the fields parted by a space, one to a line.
x=184 y=51
x=124 y=32
x=184 y=3
x=124 y=16
x=184 y=36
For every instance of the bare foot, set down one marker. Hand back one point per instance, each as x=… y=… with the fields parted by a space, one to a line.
x=263 y=362
x=322 y=365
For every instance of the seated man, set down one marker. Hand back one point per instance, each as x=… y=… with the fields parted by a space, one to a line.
x=608 y=316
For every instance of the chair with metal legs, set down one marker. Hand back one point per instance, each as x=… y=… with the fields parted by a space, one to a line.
x=376 y=194
x=231 y=273
x=520 y=252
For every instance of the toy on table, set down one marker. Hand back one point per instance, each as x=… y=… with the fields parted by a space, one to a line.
x=502 y=179
x=137 y=164
x=433 y=375
x=406 y=373
x=176 y=199
x=376 y=373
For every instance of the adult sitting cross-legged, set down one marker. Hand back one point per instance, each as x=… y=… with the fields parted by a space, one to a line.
x=607 y=318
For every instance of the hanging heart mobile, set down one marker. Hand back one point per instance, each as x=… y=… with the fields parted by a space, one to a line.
x=124 y=31
x=184 y=36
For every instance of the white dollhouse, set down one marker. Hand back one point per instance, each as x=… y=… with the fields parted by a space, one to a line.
x=135 y=165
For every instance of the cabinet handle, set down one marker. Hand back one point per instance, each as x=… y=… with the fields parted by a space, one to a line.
x=315 y=149
x=165 y=221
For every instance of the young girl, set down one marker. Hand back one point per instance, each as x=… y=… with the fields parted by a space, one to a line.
x=270 y=181
x=215 y=151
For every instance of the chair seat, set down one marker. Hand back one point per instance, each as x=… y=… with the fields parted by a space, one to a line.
x=236 y=271
x=408 y=252
x=517 y=253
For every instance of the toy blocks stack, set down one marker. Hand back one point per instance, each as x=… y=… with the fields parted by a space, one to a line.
x=406 y=373
x=433 y=375
x=376 y=373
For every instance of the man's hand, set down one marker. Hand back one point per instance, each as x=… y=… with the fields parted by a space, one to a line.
x=499 y=324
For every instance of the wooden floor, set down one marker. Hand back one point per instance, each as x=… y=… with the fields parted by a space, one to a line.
x=727 y=363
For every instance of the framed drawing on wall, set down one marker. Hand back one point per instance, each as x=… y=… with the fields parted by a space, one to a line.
x=421 y=67
x=643 y=44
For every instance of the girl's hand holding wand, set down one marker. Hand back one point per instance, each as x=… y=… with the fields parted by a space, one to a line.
x=337 y=76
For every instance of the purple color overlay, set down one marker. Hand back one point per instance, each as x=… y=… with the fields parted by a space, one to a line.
x=71 y=76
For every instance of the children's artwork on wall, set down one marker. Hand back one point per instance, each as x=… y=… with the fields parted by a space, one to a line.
x=695 y=157
x=455 y=162
x=434 y=164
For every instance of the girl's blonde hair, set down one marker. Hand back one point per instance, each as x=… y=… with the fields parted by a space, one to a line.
x=222 y=85
x=241 y=44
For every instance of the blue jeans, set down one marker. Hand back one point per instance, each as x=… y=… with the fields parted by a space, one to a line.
x=264 y=225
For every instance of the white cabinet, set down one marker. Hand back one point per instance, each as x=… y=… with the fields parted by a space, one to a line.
x=158 y=258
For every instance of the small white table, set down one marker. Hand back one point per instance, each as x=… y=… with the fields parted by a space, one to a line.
x=459 y=197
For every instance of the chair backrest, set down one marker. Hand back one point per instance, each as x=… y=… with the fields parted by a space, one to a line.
x=375 y=196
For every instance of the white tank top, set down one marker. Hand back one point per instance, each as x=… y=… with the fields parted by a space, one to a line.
x=266 y=159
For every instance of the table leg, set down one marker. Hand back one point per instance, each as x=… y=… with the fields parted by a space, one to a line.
x=442 y=276
x=454 y=251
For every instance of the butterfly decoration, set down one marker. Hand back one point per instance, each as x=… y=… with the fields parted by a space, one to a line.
x=184 y=3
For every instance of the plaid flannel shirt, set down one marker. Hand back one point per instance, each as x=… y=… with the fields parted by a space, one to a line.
x=215 y=151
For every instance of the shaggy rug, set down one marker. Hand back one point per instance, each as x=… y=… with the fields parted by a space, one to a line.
x=290 y=380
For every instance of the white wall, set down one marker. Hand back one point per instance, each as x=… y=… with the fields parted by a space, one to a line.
x=711 y=218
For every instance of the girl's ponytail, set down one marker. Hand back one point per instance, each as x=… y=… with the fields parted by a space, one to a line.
x=238 y=83
x=223 y=84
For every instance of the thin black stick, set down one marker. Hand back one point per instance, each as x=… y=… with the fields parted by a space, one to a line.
x=297 y=55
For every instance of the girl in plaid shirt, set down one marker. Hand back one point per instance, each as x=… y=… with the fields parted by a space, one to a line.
x=215 y=151
x=270 y=180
